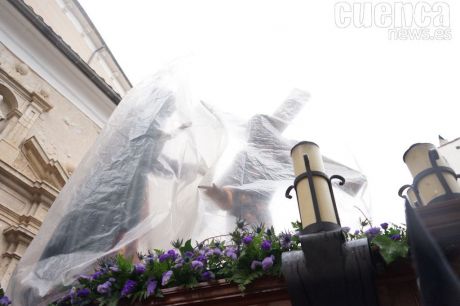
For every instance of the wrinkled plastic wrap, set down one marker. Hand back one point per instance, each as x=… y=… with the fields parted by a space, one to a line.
x=166 y=167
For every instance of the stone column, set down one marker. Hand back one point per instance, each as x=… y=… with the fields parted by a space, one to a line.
x=18 y=240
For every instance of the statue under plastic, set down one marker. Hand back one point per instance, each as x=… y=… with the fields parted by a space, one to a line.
x=162 y=169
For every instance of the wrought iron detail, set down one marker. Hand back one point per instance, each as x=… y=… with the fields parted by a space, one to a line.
x=310 y=175
x=338 y=177
x=402 y=189
x=437 y=170
x=288 y=192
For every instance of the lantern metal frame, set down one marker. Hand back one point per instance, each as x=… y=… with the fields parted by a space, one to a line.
x=406 y=197
x=328 y=270
x=438 y=171
x=309 y=174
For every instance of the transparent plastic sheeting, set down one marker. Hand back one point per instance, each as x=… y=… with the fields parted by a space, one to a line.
x=166 y=167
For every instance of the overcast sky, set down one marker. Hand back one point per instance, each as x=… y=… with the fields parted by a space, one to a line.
x=372 y=95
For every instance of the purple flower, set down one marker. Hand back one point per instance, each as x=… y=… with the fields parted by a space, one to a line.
x=266 y=245
x=96 y=275
x=217 y=252
x=172 y=254
x=104 y=288
x=163 y=257
x=149 y=258
x=267 y=263
x=188 y=254
x=395 y=237
x=114 y=269
x=5 y=301
x=247 y=240
x=346 y=229
x=231 y=252
x=179 y=264
x=139 y=268
x=207 y=276
x=197 y=265
x=128 y=288
x=83 y=292
x=356 y=232
x=384 y=225
x=84 y=276
x=285 y=240
x=112 y=280
x=166 y=277
x=255 y=264
x=372 y=232
x=151 y=286
x=201 y=258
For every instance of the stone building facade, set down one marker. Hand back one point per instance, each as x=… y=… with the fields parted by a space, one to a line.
x=451 y=151
x=57 y=90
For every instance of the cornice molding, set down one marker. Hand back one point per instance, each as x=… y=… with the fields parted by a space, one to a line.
x=9 y=214
x=11 y=255
x=47 y=169
x=42 y=103
x=17 y=181
x=30 y=221
x=17 y=233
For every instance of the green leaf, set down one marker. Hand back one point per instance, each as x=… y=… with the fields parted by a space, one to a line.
x=390 y=249
x=297 y=225
x=124 y=264
x=187 y=247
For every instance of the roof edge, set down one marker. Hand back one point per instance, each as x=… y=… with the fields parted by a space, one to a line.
x=99 y=36
x=65 y=49
x=449 y=142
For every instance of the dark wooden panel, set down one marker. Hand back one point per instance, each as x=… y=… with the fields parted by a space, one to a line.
x=395 y=287
x=267 y=291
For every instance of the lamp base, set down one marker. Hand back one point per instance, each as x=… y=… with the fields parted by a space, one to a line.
x=318 y=227
x=330 y=271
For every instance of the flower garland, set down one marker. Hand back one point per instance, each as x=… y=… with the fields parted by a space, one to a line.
x=390 y=240
x=247 y=254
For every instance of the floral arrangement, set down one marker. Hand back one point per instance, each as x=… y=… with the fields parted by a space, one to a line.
x=4 y=300
x=390 y=240
x=246 y=254
x=240 y=257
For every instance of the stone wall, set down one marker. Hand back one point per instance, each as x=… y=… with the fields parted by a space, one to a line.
x=43 y=137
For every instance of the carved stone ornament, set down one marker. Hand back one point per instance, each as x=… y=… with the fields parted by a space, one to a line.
x=21 y=69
